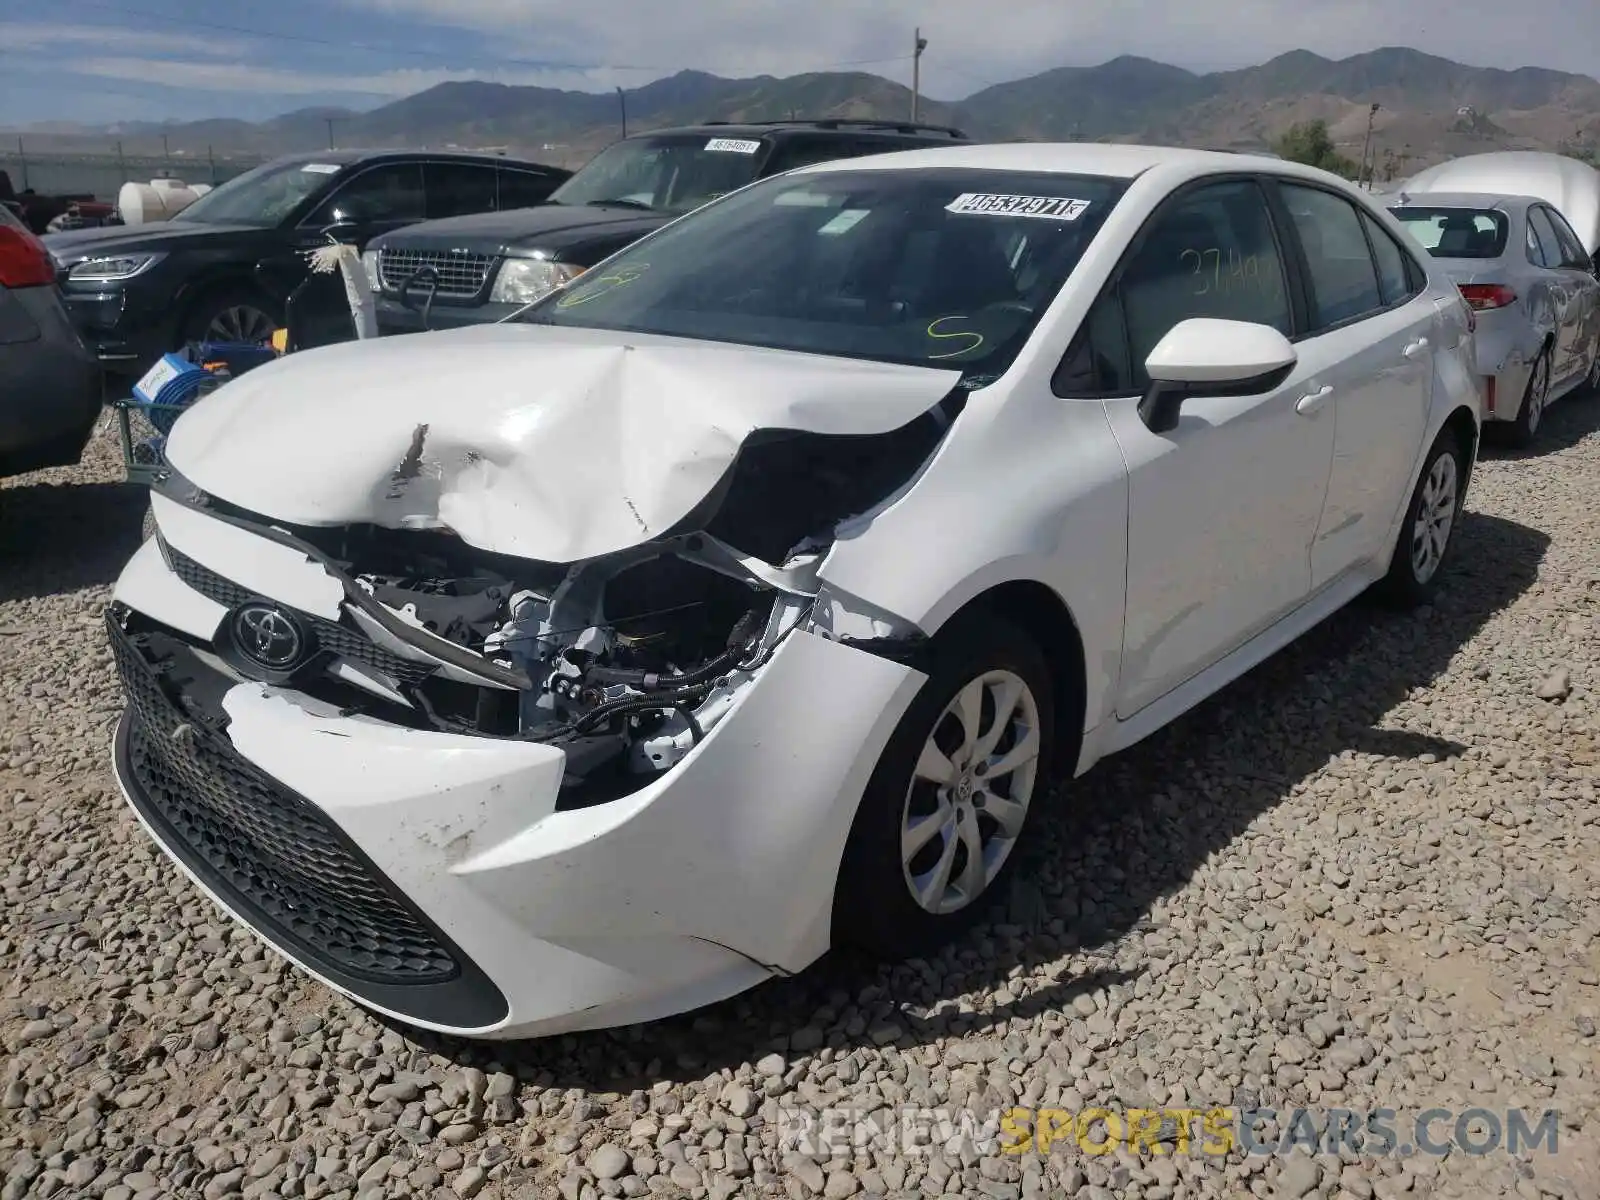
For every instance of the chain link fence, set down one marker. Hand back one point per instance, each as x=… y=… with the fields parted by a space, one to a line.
x=102 y=174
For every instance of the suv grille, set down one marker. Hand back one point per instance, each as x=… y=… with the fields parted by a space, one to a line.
x=461 y=274
x=270 y=853
x=339 y=640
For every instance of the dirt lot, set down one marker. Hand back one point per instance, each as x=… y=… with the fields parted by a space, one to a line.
x=1365 y=876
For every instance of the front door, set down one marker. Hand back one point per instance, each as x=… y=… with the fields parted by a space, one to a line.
x=1221 y=509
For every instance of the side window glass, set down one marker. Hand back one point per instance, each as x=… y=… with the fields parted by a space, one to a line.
x=1572 y=252
x=1097 y=364
x=1544 y=248
x=459 y=189
x=1393 y=278
x=803 y=151
x=1344 y=280
x=524 y=189
x=388 y=193
x=1209 y=253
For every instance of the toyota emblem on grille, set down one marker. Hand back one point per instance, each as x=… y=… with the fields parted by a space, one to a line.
x=268 y=636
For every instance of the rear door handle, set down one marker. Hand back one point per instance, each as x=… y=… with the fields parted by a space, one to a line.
x=1308 y=404
x=1416 y=347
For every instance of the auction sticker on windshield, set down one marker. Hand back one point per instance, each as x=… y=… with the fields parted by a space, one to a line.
x=1054 y=208
x=733 y=146
x=321 y=168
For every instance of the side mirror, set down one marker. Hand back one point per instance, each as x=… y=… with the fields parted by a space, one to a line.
x=1204 y=356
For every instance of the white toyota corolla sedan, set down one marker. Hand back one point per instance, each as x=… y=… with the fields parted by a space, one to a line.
x=742 y=598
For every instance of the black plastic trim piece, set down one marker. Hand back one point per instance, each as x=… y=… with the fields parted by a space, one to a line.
x=468 y=1000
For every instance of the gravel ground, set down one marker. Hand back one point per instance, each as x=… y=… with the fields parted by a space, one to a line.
x=1364 y=876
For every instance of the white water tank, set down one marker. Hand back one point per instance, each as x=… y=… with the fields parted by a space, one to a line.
x=158 y=200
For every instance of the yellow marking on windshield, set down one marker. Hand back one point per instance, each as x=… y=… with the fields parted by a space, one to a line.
x=933 y=332
x=600 y=285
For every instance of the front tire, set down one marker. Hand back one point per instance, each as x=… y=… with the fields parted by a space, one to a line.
x=1427 y=532
x=231 y=314
x=950 y=800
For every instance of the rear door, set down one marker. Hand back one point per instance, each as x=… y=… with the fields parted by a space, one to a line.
x=1563 y=295
x=1371 y=323
x=1577 y=270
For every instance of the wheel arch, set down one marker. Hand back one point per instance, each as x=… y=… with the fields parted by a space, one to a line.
x=199 y=290
x=1041 y=613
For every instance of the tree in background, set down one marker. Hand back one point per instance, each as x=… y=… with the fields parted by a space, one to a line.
x=1309 y=142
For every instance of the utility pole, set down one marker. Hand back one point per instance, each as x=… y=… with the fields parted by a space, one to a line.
x=918 y=44
x=1372 y=114
x=329 y=120
x=23 y=155
x=122 y=166
x=166 y=150
x=622 y=102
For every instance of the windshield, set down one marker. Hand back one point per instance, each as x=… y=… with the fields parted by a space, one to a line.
x=263 y=196
x=667 y=174
x=1456 y=232
x=929 y=267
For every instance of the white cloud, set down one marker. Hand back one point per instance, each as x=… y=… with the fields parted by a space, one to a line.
x=288 y=81
x=18 y=35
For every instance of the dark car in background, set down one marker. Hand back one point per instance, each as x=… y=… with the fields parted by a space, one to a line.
x=49 y=383
x=221 y=269
x=473 y=270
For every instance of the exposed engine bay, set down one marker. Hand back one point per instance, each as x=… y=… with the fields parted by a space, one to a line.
x=628 y=660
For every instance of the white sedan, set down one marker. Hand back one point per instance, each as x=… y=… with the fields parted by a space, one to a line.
x=743 y=598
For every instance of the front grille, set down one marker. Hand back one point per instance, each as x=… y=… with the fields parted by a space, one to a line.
x=461 y=275
x=339 y=640
x=268 y=852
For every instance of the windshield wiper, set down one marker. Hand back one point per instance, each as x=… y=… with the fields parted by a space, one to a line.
x=624 y=202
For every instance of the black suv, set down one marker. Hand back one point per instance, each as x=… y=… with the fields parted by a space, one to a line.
x=474 y=270
x=221 y=269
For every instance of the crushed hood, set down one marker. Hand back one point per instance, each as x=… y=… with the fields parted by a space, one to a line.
x=539 y=442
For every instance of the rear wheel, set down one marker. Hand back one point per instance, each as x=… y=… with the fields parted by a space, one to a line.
x=1430 y=522
x=1525 y=429
x=949 y=802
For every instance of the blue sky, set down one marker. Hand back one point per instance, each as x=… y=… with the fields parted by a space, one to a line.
x=100 y=61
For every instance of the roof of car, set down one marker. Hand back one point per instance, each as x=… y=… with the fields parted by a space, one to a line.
x=761 y=129
x=1405 y=199
x=346 y=158
x=1071 y=158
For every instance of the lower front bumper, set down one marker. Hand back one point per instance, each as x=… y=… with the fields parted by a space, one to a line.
x=454 y=850
x=396 y=318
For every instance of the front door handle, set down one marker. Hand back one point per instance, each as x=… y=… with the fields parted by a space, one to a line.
x=1416 y=347
x=1309 y=404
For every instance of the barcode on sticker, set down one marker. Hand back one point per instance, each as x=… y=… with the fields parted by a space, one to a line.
x=733 y=146
x=1053 y=208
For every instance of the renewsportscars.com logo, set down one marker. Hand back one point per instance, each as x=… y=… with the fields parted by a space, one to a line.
x=844 y=1132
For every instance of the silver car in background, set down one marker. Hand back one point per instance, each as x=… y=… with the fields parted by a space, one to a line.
x=1532 y=285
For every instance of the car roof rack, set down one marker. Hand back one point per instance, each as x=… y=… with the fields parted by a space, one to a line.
x=886 y=126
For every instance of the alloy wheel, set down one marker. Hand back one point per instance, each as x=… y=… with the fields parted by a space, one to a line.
x=969 y=795
x=1538 y=394
x=1436 y=517
x=240 y=323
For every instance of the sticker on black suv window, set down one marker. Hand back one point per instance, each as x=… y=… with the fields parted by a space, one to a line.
x=1051 y=208
x=733 y=146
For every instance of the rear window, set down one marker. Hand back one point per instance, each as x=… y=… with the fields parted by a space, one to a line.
x=1457 y=232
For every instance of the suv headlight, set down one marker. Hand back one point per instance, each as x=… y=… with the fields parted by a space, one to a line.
x=113 y=268
x=369 y=264
x=524 y=280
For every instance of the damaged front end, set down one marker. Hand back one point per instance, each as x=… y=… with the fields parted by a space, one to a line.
x=624 y=661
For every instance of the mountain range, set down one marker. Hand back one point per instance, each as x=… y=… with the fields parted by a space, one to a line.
x=1429 y=108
